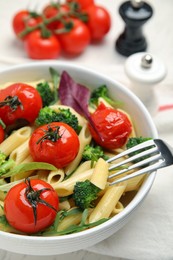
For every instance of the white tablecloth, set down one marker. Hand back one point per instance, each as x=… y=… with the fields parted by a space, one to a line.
x=149 y=235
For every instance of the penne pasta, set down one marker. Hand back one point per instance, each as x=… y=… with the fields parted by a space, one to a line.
x=17 y=138
x=84 y=139
x=118 y=208
x=66 y=187
x=1 y=208
x=64 y=205
x=20 y=153
x=100 y=174
x=133 y=184
x=82 y=168
x=55 y=177
x=69 y=221
x=107 y=203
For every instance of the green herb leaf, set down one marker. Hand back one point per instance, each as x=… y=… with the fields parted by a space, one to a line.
x=55 y=78
x=29 y=167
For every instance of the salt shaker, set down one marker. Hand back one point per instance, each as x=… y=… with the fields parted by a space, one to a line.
x=145 y=71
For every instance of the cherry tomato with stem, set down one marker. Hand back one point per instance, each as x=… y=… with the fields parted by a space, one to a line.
x=83 y=3
x=56 y=143
x=111 y=127
x=31 y=206
x=99 y=22
x=19 y=101
x=41 y=47
x=23 y=19
x=51 y=11
x=76 y=39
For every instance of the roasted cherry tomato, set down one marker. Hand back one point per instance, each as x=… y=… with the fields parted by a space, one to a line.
x=111 y=127
x=25 y=18
x=19 y=101
x=53 y=10
x=56 y=143
x=99 y=22
x=2 y=134
x=31 y=206
x=39 y=47
x=83 y=3
x=76 y=40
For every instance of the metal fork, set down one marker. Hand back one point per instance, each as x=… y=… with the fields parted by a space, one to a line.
x=159 y=155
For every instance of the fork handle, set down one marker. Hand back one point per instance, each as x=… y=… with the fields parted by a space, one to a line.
x=167 y=148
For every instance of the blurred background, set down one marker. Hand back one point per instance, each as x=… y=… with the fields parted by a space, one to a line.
x=158 y=32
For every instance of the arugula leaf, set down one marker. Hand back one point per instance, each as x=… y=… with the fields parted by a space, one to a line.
x=73 y=228
x=55 y=78
x=24 y=167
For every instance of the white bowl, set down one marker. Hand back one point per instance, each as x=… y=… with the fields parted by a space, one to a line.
x=144 y=125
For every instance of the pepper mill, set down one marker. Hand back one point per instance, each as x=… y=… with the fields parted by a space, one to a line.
x=134 y=13
x=145 y=71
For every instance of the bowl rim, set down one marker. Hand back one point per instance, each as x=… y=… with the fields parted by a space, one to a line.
x=144 y=189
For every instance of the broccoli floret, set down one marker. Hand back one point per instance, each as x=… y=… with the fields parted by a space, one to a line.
x=93 y=153
x=135 y=141
x=2 y=158
x=5 y=164
x=48 y=115
x=102 y=92
x=85 y=193
x=47 y=95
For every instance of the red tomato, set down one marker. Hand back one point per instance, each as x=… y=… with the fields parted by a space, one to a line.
x=99 y=22
x=19 y=101
x=24 y=18
x=38 y=47
x=51 y=11
x=75 y=41
x=83 y=3
x=2 y=134
x=56 y=143
x=20 y=201
x=112 y=125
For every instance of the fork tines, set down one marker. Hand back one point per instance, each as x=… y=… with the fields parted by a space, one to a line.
x=148 y=153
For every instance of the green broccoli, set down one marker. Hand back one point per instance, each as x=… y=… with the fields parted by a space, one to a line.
x=85 y=193
x=5 y=164
x=2 y=158
x=47 y=95
x=93 y=153
x=135 y=141
x=102 y=92
x=48 y=115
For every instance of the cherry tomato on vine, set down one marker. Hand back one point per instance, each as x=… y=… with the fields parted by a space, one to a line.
x=19 y=101
x=25 y=18
x=83 y=3
x=51 y=11
x=56 y=143
x=39 y=47
x=2 y=134
x=31 y=206
x=99 y=22
x=113 y=127
x=76 y=40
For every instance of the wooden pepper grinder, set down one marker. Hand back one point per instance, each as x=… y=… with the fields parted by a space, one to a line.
x=145 y=71
x=134 y=13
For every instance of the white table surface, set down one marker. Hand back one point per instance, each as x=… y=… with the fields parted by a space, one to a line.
x=149 y=235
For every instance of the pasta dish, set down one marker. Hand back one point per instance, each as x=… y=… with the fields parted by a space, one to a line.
x=70 y=156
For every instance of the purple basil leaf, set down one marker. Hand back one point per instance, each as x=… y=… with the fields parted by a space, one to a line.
x=73 y=94
x=76 y=96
